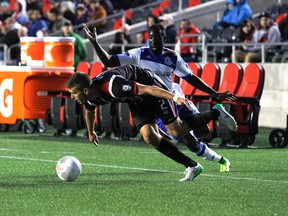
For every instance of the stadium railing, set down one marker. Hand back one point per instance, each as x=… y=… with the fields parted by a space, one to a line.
x=3 y=48
x=205 y=48
x=203 y=45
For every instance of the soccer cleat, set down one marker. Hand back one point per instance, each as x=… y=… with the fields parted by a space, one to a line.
x=225 y=117
x=225 y=165
x=192 y=172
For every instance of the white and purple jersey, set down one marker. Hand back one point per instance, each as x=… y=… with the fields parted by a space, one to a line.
x=163 y=65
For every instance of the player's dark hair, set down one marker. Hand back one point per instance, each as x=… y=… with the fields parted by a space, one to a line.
x=156 y=28
x=79 y=80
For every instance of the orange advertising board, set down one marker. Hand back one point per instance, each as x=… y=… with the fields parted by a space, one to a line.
x=25 y=92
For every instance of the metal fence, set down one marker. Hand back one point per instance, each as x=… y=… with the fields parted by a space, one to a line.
x=207 y=49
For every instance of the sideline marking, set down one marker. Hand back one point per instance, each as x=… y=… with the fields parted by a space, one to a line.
x=144 y=169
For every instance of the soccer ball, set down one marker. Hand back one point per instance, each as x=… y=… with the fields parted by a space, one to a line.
x=68 y=168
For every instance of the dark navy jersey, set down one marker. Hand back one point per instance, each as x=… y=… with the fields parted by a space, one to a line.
x=119 y=85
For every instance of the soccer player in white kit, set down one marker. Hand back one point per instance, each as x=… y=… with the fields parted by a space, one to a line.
x=164 y=62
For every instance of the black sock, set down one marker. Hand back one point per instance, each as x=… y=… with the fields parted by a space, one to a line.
x=199 y=119
x=170 y=150
x=191 y=142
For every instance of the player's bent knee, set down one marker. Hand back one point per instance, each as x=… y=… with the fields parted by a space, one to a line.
x=202 y=131
x=152 y=139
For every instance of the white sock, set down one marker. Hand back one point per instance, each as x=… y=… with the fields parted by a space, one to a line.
x=206 y=153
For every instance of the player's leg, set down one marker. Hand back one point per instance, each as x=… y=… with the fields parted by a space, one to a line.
x=166 y=147
x=209 y=154
x=200 y=148
x=217 y=112
x=183 y=111
x=145 y=120
x=164 y=132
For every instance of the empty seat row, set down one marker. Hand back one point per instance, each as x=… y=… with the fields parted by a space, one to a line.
x=246 y=84
x=92 y=69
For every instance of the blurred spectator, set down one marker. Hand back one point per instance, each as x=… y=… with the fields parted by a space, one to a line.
x=97 y=12
x=80 y=49
x=167 y=21
x=234 y=14
x=243 y=12
x=4 y=7
x=55 y=4
x=245 y=32
x=122 y=37
x=266 y=32
x=9 y=36
x=151 y=19
x=140 y=38
x=56 y=19
x=81 y=14
x=107 y=4
x=38 y=25
x=23 y=32
x=283 y=27
x=282 y=54
x=188 y=52
x=32 y=4
x=228 y=16
x=20 y=14
x=68 y=10
x=244 y=35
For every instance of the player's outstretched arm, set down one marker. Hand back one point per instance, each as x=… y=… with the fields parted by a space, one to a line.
x=106 y=59
x=161 y=93
x=201 y=85
x=92 y=136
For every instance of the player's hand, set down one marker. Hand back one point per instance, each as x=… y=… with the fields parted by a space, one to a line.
x=181 y=100
x=93 y=138
x=92 y=37
x=225 y=96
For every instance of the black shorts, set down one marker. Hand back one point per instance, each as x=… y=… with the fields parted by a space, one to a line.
x=152 y=108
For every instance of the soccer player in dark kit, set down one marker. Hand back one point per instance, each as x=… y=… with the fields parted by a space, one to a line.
x=148 y=99
x=164 y=62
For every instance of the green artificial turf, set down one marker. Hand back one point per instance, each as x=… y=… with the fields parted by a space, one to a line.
x=131 y=178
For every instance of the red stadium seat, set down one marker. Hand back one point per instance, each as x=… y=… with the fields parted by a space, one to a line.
x=193 y=3
x=211 y=75
x=96 y=69
x=175 y=78
x=129 y=14
x=165 y=4
x=157 y=11
x=117 y=24
x=232 y=77
x=187 y=89
x=280 y=18
x=83 y=67
x=247 y=107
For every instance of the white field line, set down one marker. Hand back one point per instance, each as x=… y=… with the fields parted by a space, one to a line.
x=150 y=170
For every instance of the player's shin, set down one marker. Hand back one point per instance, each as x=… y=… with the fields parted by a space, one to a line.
x=201 y=149
x=206 y=153
x=170 y=150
